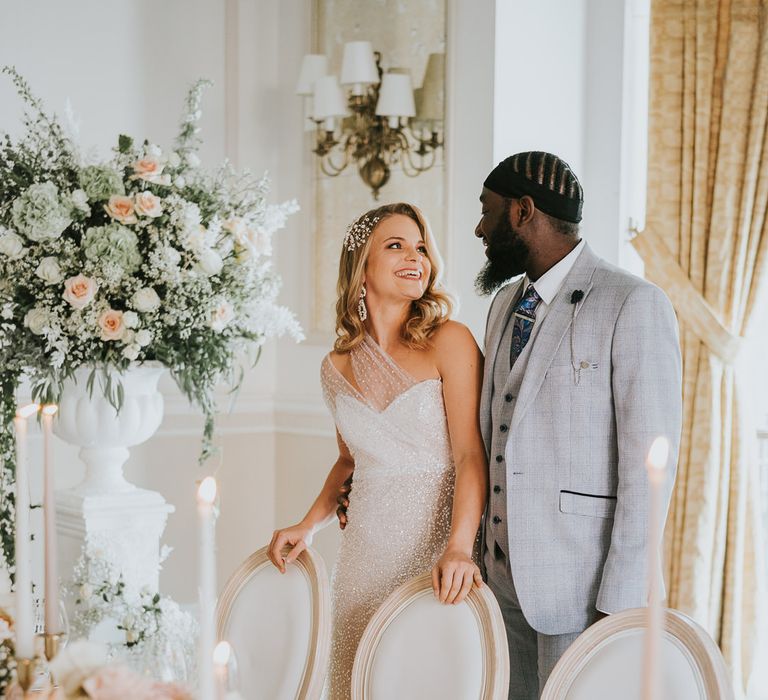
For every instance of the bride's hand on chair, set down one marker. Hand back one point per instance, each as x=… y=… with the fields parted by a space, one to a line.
x=453 y=576
x=294 y=539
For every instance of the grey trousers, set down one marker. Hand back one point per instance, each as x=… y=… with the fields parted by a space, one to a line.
x=532 y=655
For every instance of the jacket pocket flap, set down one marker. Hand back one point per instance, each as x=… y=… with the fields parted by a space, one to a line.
x=586 y=504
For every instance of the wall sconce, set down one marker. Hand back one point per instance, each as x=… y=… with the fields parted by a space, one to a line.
x=381 y=121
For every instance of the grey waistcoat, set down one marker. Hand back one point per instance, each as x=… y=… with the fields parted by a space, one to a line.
x=506 y=385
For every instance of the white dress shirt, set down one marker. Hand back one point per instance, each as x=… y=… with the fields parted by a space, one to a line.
x=549 y=284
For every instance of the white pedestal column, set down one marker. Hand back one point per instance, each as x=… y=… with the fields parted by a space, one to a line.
x=122 y=524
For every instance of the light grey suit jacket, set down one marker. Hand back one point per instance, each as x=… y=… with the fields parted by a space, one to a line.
x=576 y=483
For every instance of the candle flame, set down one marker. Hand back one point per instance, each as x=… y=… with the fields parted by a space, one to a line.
x=658 y=454
x=29 y=410
x=221 y=653
x=50 y=409
x=206 y=493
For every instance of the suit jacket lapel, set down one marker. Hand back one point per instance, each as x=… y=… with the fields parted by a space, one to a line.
x=550 y=335
x=496 y=323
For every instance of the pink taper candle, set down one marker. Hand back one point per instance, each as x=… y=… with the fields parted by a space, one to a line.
x=656 y=464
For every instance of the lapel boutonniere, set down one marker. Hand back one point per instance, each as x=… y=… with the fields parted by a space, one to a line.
x=576 y=296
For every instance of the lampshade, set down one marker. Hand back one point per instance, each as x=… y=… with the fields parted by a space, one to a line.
x=313 y=66
x=358 y=65
x=431 y=104
x=329 y=100
x=396 y=96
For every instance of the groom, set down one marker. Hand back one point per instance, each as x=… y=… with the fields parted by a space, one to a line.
x=582 y=372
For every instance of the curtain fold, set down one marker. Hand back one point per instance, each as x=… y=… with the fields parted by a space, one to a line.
x=706 y=243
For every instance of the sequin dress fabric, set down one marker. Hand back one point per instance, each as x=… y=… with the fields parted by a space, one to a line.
x=399 y=511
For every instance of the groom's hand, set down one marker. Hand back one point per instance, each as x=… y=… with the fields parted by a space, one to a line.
x=343 y=501
x=453 y=576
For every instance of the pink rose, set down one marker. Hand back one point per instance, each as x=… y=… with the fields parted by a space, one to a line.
x=121 y=208
x=147 y=204
x=112 y=325
x=149 y=169
x=79 y=291
x=117 y=683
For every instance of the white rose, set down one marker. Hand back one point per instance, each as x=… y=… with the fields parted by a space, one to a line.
x=143 y=338
x=173 y=160
x=180 y=182
x=210 y=262
x=147 y=204
x=172 y=256
x=131 y=352
x=193 y=160
x=36 y=320
x=221 y=316
x=49 y=271
x=130 y=319
x=12 y=245
x=154 y=150
x=77 y=661
x=146 y=300
x=80 y=200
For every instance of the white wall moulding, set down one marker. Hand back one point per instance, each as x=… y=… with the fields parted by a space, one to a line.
x=469 y=140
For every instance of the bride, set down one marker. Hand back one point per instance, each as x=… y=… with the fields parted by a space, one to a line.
x=403 y=385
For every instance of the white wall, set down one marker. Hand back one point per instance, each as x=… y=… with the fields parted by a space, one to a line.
x=540 y=83
x=571 y=78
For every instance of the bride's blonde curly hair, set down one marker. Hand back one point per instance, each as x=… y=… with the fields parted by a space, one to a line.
x=428 y=313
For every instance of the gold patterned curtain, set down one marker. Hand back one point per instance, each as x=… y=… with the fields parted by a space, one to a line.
x=706 y=244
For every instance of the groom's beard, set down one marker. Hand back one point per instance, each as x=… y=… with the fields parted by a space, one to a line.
x=507 y=258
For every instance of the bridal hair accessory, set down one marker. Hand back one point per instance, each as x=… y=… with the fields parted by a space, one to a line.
x=358 y=232
x=362 y=310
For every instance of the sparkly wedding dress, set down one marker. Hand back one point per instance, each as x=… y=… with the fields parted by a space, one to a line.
x=399 y=512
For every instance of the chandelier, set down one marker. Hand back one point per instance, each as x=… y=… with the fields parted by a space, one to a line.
x=381 y=122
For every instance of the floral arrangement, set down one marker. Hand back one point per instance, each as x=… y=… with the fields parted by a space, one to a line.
x=154 y=627
x=143 y=257
x=82 y=670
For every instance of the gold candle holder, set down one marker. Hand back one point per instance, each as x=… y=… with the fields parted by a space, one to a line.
x=26 y=671
x=51 y=644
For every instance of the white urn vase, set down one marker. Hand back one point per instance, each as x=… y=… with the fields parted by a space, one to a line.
x=120 y=522
x=88 y=420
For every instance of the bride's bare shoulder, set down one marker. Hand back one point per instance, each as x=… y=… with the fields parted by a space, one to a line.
x=453 y=337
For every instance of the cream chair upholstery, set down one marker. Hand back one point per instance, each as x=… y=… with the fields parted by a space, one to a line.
x=279 y=626
x=606 y=662
x=414 y=648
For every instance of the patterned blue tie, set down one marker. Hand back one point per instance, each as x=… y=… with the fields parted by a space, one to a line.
x=525 y=316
